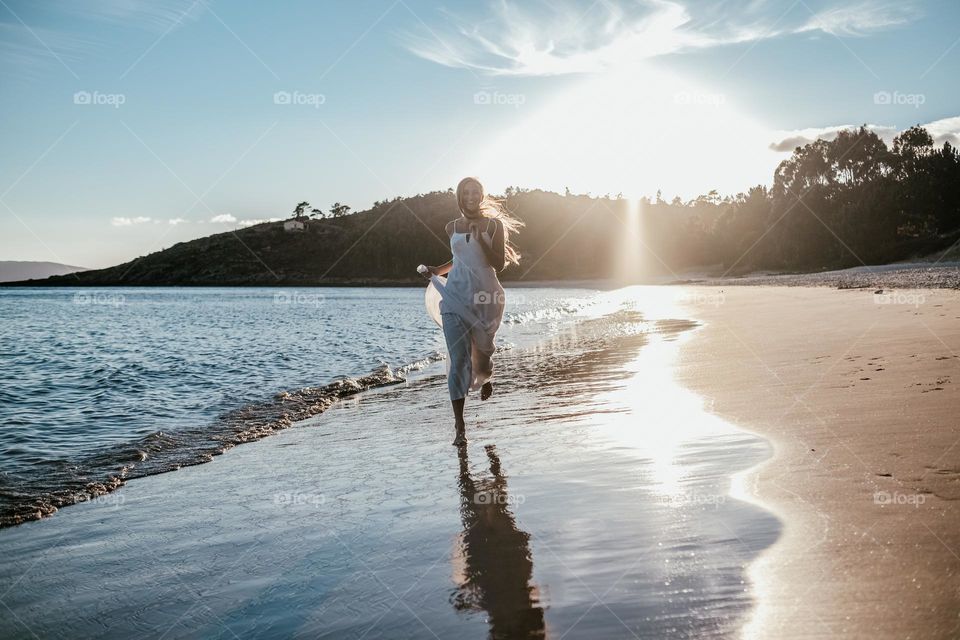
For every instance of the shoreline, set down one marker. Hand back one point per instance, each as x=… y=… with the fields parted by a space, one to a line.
x=861 y=414
x=602 y=489
x=861 y=485
x=898 y=275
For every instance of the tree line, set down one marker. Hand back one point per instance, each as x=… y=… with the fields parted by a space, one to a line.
x=833 y=203
x=849 y=201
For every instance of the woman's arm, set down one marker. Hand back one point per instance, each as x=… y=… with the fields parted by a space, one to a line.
x=443 y=269
x=495 y=251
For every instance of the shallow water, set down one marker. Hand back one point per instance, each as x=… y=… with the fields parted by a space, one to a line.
x=592 y=501
x=104 y=385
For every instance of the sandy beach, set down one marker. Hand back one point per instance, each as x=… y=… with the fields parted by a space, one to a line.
x=693 y=462
x=858 y=392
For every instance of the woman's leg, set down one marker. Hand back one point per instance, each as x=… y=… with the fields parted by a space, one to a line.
x=460 y=374
x=482 y=360
x=459 y=425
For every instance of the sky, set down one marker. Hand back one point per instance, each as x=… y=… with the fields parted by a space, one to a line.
x=130 y=125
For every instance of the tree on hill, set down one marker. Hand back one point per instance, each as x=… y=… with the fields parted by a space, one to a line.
x=299 y=209
x=338 y=210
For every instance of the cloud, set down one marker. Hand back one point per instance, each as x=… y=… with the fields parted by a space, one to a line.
x=254 y=221
x=30 y=46
x=223 y=217
x=176 y=221
x=126 y=222
x=151 y=15
x=947 y=129
x=560 y=38
x=861 y=19
x=30 y=53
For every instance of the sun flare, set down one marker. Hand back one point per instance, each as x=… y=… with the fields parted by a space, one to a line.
x=633 y=131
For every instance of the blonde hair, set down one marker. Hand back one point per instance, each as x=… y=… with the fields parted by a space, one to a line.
x=492 y=208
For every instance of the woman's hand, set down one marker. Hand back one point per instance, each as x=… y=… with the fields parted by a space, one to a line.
x=437 y=271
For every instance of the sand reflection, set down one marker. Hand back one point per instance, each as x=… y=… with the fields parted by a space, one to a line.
x=492 y=563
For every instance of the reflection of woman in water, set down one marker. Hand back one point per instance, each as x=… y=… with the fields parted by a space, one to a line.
x=471 y=298
x=494 y=557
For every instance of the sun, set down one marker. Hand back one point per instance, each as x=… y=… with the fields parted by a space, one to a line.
x=632 y=131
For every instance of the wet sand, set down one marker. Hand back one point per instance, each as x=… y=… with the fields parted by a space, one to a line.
x=592 y=501
x=859 y=393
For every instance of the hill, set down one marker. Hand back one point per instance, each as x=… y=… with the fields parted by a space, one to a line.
x=380 y=246
x=13 y=270
x=847 y=202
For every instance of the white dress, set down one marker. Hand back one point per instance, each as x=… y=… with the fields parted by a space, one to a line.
x=473 y=294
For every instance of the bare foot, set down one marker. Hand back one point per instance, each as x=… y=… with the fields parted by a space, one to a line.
x=461 y=438
x=486 y=391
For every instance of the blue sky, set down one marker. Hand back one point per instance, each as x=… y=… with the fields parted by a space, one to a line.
x=130 y=125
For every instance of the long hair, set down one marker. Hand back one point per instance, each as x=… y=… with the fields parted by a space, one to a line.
x=492 y=208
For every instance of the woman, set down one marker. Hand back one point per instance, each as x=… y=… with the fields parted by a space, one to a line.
x=471 y=298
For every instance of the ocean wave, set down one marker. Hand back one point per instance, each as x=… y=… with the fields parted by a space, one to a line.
x=37 y=491
x=52 y=484
x=564 y=309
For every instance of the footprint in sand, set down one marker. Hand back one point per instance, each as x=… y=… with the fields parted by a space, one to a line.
x=937 y=385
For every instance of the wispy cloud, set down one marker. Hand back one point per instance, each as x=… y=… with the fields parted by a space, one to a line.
x=223 y=217
x=150 y=15
x=861 y=19
x=34 y=43
x=32 y=51
x=559 y=38
x=945 y=130
x=126 y=222
x=176 y=221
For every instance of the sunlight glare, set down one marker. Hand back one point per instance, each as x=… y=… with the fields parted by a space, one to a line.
x=633 y=130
